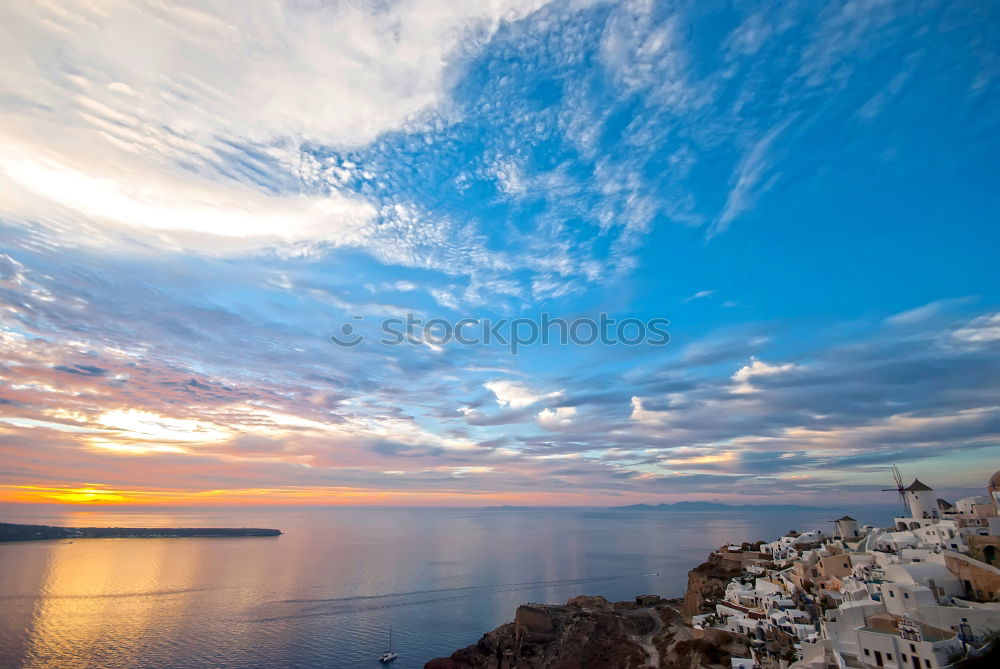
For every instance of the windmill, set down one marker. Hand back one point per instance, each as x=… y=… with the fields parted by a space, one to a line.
x=900 y=488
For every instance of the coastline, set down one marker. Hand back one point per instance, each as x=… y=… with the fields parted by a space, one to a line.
x=590 y=631
x=858 y=597
x=10 y=532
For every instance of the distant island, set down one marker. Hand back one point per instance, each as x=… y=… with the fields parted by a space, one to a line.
x=678 y=506
x=16 y=532
x=715 y=506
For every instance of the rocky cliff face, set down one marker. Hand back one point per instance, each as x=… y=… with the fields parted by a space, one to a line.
x=707 y=584
x=592 y=632
x=587 y=632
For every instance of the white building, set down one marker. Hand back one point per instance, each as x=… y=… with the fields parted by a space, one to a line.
x=886 y=640
x=877 y=598
x=847 y=528
x=890 y=542
x=994 y=489
x=909 y=586
x=922 y=504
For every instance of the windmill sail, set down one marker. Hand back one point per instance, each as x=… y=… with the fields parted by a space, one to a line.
x=900 y=488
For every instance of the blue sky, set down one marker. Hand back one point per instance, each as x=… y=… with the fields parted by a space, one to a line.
x=195 y=197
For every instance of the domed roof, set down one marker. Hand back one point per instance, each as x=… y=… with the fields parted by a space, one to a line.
x=995 y=481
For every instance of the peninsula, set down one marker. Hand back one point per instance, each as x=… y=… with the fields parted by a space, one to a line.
x=16 y=532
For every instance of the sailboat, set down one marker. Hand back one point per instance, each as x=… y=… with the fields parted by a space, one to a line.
x=388 y=656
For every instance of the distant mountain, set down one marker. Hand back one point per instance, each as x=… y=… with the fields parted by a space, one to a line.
x=715 y=506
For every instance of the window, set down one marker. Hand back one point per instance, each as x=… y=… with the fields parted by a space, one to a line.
x=888 y=656
x=927 y=663
x=867 y=652
x=904 y=657
x=913 y=648
x=906 y=595
x=892 y=594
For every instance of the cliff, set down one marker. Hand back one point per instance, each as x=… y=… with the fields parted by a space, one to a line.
x=593 y=632
x=707 y=584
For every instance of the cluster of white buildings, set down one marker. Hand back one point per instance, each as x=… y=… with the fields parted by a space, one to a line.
x=918 y=595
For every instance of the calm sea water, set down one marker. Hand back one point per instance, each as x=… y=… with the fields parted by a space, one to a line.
x=325 y=593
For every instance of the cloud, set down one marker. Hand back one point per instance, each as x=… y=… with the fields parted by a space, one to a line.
x=643 y=415
x=515 y=395
x=981 y=330
x=643 y=49
x=725 y=346
x=824 y=412
x=746 y=178
x=842 y=29
x=149 y=426
x=191 y=212
x=926 y=311
x=392 y=286
x=748 y=38
x=744 y=376
x=262 y=74
x=558 y=418
x=209 y=109
x=83 y=370
x=699 y=295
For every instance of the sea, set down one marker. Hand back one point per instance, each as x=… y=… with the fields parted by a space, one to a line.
x=326 y=592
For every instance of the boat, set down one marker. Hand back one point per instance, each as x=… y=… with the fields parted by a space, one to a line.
x=388 y=656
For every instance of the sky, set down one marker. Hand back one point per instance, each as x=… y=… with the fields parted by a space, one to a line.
x=195 y=197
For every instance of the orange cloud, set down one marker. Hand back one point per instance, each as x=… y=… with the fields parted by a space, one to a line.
x=100 y=495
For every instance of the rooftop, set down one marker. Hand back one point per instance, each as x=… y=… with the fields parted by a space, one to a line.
x=886 y=623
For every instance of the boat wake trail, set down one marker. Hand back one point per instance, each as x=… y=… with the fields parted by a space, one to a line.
x=333 y=606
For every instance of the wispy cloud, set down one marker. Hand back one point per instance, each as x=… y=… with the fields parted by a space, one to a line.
x=927 y=311
x=699 y=295
x=746 y=179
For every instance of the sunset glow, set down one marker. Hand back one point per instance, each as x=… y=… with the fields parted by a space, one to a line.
x=243 y=260
x=316 y=496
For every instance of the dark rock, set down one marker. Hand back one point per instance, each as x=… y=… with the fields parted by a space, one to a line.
x=587 y=632
x=707 y=584
x=590 y=631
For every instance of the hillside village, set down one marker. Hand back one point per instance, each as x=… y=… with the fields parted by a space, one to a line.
x=921 y=594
